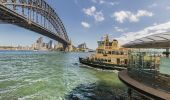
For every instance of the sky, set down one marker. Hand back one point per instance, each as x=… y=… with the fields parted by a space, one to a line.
x=89 y=20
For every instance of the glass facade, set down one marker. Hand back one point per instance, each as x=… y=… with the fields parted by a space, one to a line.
x=144 y=66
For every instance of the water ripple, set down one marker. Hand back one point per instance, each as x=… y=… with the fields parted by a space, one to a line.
x=46 y=75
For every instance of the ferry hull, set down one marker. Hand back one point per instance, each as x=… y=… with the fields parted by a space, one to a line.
x=101 y=65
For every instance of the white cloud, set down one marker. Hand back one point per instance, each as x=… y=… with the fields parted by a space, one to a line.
x=153 y=5
x=98 y=1
x=101 y=1
x=98 y=15
x=105 y=2
x=155 y=23
x=85 y=24
x=121 y=16
x=168 y=8
x=90 y=11
x=155 y=29
x=95 y=1
x=113 y=3
x=118 y=29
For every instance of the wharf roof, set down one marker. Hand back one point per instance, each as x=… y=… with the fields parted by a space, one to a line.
x=161 y=40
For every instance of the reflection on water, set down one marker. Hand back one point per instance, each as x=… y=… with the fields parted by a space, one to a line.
x=52 y=76
x=97 y=91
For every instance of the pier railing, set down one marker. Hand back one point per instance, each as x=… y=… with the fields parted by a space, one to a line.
x=144 y=67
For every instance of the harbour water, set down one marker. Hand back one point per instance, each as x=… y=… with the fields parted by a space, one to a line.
x=30 y=75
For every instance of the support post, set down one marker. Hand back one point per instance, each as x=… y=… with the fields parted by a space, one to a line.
x=129 y=94
x=167 y=52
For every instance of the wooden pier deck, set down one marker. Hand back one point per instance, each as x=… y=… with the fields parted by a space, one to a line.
x=142 y=88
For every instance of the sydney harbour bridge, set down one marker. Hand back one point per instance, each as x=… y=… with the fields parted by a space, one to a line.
x=34 y=15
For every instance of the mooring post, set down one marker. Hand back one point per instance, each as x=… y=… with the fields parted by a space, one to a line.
x=129 y=94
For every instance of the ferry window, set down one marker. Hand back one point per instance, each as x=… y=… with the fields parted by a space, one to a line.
x=100 y=51
x=117 y=52
x=100 y=43
x=122 y=62
x=110 y=44
x=109 y=60
x=125 y=53
x=107 y=44
x=118 y=61
x=109 y=52
x=126 y=61
x=113 y=52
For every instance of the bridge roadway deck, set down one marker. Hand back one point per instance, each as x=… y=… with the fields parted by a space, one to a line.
x=10 y=16
x=146 y=90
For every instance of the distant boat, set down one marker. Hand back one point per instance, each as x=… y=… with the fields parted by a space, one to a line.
x=35 y=50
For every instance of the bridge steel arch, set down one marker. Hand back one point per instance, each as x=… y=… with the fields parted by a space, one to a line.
x=35 y=15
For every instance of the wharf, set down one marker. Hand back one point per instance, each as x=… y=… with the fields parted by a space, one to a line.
x=142 y=88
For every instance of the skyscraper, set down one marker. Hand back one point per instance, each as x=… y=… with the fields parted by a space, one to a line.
x=39 y=43
x=50 y=44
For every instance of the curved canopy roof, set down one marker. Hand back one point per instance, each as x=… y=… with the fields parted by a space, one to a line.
x=161 y=40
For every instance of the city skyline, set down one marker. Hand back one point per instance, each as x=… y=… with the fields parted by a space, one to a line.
x=88 y=20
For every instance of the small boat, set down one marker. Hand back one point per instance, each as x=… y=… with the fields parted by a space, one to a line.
x=108 y=56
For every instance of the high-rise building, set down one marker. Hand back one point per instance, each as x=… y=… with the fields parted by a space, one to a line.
x=39 y=43
x=50 y=44
x=40 y=40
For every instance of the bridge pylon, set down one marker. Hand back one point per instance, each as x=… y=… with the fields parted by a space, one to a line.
x=66 y=47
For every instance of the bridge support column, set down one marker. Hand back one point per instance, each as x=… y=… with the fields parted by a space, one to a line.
x=129 y=94
x=65 y=48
